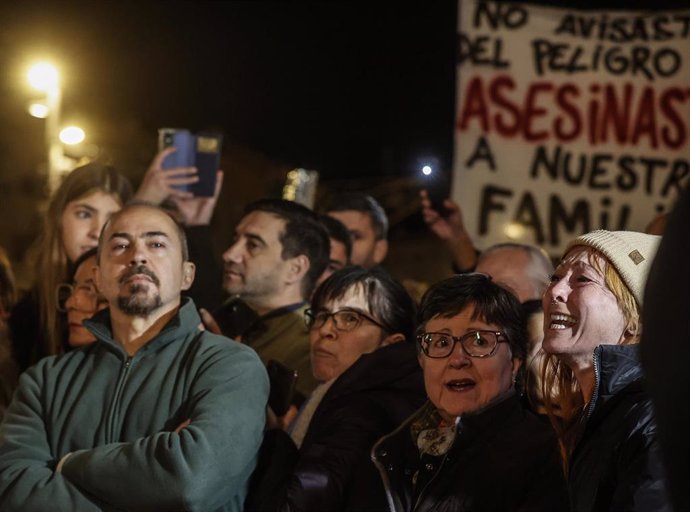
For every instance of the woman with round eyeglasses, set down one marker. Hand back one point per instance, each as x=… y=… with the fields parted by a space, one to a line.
x=80 y=300
x=473 y=445
x=361 y=331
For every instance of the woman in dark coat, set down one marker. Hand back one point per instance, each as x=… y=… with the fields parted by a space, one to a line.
x=592 y=327
x=473 y=446
x=361 y=328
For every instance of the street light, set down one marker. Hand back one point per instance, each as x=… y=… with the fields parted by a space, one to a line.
x=45 y=77
x=72 y=135
x=39 y=110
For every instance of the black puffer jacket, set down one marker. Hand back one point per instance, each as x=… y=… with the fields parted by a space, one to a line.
x=616 y=464
x=371 y=398
x=502 y=459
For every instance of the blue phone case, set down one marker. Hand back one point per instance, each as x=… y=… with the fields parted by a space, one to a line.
x=201 y=151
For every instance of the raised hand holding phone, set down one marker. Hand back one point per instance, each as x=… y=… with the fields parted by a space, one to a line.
x=201 y=151
x=451 y=230
x=158 y=184
x=198 y=210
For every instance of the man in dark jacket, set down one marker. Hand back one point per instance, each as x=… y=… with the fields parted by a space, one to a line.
x=156 y=414
x=280 y=250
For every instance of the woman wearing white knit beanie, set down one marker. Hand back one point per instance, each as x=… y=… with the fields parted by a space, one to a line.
x=599 y=407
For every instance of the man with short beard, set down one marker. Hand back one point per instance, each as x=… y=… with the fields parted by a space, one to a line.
x=154 y=415
x=270 y=271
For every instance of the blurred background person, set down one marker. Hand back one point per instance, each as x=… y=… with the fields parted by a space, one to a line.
x=80 y=300
x=367 y=222
x=8 y=368
x=665 y=347
x=341 y=246
x=361 y=332
x=473 y=445
x=76 y=213
x=592 y=328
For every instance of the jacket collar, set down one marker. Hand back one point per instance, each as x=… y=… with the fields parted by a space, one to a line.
x=472 y=425
x=385 y=367
x=180 y=325
x=615 y=367
x=283 y=310
x=260 y=324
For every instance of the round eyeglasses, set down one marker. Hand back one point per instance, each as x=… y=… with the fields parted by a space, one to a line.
x=344 y=319
x=438 y=345
x=85 y=293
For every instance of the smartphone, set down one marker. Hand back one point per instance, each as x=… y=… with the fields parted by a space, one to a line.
x=234 y=317
x=207 y=161
x=438 y=193
x=283 y=381
x=201 y=151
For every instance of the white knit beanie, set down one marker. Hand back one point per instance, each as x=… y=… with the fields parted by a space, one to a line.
x=630 y=252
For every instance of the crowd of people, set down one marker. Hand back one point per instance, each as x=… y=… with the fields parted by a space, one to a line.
x=140 y=374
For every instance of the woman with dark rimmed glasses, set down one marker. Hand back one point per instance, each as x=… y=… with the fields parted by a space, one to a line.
x=473 y=445
x=361 y=332
x=80 y=300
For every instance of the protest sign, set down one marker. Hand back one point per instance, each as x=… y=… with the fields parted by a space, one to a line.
x=568 y=120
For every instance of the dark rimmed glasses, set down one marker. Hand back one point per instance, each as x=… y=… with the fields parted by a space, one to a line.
x=438 y=345
x=344 y=319
x=86 y=293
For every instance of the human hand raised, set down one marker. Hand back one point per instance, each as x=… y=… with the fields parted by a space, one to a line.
x=198 y=210
x=446 y=227
x=158 y=183
x=451 y=230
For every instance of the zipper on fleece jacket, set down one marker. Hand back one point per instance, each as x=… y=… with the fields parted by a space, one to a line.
x=115 y=404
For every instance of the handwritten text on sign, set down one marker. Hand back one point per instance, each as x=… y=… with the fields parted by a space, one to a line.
x=568 y=120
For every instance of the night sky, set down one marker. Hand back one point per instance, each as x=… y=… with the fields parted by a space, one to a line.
x=348 y=88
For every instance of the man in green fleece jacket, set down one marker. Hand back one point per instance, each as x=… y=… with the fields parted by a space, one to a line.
x=156 y=414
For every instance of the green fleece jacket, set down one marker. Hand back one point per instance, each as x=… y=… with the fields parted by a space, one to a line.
x=116 y=416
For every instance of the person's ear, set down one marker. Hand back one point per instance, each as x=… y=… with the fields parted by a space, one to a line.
x=188 y=273
x=297 y=268
x=380 y=251
x=392 y=338
x=516 y=364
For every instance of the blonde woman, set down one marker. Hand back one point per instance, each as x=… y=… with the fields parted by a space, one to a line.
x=592 y=327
